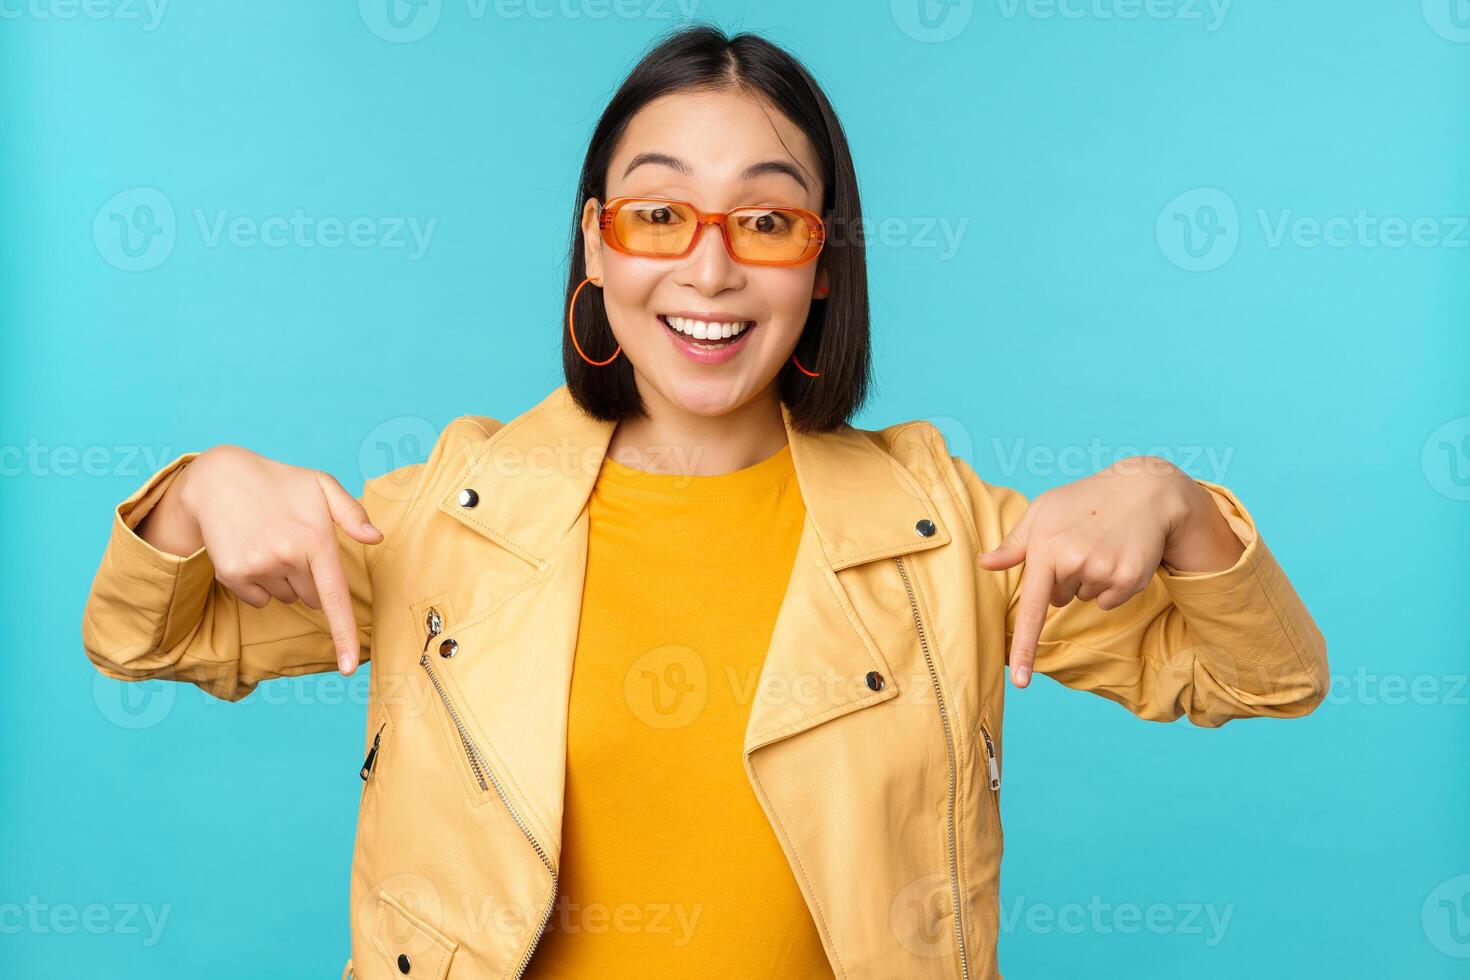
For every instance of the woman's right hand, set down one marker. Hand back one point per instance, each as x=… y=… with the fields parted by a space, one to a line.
x=270 y=531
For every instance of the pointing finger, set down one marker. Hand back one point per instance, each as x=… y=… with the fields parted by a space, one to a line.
x=1036 y=585
x=336 y=601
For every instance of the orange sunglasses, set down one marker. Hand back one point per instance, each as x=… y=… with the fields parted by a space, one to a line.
x=655 y=227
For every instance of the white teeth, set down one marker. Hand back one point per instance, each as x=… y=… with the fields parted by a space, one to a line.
x=704 y=330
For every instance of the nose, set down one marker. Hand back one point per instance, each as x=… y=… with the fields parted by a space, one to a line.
x=709 y=267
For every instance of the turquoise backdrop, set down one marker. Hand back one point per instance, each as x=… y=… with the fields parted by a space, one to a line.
x=1231 y=232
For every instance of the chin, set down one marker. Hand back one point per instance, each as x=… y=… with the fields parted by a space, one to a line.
x=709 y=397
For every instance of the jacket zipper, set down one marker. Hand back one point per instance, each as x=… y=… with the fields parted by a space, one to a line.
x=372 y=754
x=990 y=758
x=954 y=869
x=486 y=778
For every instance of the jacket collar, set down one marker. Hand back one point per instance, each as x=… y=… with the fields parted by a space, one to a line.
x=533 y=477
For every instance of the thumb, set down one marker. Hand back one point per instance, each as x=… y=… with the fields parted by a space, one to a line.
x=347 y=511
x=1012 y=548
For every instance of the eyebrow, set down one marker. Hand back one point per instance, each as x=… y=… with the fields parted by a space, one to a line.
x=749 y=173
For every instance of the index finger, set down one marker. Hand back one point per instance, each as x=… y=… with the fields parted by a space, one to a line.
x=1037 y=580
x=325 y=563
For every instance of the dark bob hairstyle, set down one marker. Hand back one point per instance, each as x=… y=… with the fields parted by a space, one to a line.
x=835 y=340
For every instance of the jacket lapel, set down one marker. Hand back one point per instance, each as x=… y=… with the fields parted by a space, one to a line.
x=533 y=477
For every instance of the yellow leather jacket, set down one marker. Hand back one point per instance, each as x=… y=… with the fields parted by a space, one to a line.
x=874 y=738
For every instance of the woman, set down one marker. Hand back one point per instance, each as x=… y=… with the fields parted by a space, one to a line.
x=678 y=673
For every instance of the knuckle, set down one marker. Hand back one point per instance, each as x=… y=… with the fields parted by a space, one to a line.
x=1071 y=557
x=256 y=561
x=1126 y=573
x=230 y=570
x=283 y=550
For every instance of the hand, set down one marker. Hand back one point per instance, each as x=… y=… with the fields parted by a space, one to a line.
x=270 y=530
x=1102 y=538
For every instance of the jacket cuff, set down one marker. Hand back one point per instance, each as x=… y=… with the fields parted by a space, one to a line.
x=1239 y=519
x=132 y=551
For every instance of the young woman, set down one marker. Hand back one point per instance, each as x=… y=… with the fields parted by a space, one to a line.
x=678 y=673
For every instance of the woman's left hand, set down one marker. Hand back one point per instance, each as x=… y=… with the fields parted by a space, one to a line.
x=1103 y=537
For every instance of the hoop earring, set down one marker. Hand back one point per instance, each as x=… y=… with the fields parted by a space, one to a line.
x=573 y=330
x=821 y=294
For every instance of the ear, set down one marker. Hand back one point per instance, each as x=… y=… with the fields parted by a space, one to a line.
x=592 y=241
x=821 y=286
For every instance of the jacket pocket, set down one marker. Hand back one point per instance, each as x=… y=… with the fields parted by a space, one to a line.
x=409 y=946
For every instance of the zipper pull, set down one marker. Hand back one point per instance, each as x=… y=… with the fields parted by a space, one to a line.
x=433 y=626
x=372 y=755
x=990 y=761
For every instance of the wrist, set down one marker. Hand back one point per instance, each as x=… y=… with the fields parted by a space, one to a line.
x=1200 y=540
x=170 y=525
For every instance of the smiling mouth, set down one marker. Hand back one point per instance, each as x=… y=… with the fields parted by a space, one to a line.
x=708 y=335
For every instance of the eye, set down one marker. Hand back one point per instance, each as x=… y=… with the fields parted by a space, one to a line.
x=657 y=215
x=767 y=222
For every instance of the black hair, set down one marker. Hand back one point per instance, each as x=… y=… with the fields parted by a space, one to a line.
x=835 y=340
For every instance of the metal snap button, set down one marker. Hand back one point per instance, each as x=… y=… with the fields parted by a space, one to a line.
x=468 y=497
x=448 y=648
x=403 y=963
x=925 y=527
x=875 y=680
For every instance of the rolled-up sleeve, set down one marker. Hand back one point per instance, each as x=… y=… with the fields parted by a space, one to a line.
x=151 y=614
x=1234 y=643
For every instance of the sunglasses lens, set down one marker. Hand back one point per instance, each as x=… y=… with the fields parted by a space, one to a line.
x=655 y=227
x=772 y=235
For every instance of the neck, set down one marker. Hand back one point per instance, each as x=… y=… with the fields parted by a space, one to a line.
x=674 y=439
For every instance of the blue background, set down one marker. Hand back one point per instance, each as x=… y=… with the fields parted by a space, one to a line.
x=1071 y=148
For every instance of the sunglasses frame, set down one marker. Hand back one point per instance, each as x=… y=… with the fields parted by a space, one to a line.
x=608 y=214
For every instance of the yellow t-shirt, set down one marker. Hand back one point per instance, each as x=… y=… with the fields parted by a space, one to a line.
x=669 y=867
